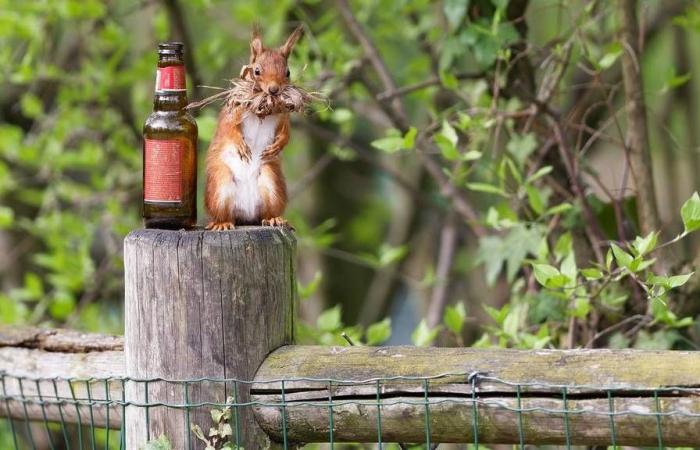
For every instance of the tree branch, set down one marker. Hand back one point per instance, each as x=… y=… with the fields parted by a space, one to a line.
x=637 y=131
x=398 y=116
x=387 y=95
x=374 y=58
x=446 y=255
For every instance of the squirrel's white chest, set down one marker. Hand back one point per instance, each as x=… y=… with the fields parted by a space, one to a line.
x=243 y=188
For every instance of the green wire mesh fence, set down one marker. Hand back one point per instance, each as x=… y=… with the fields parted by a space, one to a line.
x=88 y=413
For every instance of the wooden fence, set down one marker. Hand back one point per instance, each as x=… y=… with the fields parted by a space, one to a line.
x=210 y=307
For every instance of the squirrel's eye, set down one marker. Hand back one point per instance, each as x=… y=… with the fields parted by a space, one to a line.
x=257 y=71
x=287 y=73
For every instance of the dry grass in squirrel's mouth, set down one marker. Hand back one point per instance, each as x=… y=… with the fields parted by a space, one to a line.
x=246 y=94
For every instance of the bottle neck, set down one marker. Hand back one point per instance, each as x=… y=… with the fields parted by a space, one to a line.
x=169 y=101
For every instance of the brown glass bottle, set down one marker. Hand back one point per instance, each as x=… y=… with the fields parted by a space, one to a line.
x=170 y=148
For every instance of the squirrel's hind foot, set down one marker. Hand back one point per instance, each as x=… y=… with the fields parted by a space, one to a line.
x=220 y=226
x=277 y=222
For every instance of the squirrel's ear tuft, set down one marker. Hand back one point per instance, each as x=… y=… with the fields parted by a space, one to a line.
x=256 y=46
x=286 y=49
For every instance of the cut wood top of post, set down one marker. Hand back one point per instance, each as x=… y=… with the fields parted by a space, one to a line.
x=241 y=232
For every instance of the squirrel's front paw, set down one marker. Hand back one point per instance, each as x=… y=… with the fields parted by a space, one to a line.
x=220 y=226
x=245 y=154
x=269 y=155
x=277 y=222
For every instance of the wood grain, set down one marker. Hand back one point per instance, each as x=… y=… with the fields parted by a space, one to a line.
x=40 y=376
x=203 y=304
x=540 y=378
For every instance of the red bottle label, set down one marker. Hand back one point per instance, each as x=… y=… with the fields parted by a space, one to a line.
x=170 y=78
x=162 y=175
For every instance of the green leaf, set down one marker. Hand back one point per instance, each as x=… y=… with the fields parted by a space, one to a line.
x=448 y=151
x=310 y=288
x=564 y=246
x=197 y=431
x=569 y=269
x=472 y=155
x=341 y=115
x=674 y=80
x=216 y=415
x=498 y=315
x=455 y=11
x=449 y=80
x=646 y=244
x=389 y=255
x=423 y=336
x=558 y=209
x=582 y=306
x=487 y=188
x=511 y=249
x=690 y=212
x=62 y=305
x=455 y=317
x=7 y=216
x=544 y=273
x=162 y=443
x=534 y=197
x=446 y=140
x=539 y=174
x=611 y=55
x=31 y=105
x=226 y=430
x=679 y=280
x=622 y=258
x=608 y=259
x=409 y=139
x=329 y=320
x=379 y=332
x=592 y=273
x=33 y=285
x=391 y=144
x=521 y=146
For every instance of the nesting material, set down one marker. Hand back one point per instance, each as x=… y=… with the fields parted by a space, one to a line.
x=248 y=95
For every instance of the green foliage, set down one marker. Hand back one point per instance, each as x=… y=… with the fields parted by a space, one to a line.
x=220 y=433
x=330 y=330
x=691 y=213
x=162 y=443
x=423 y=335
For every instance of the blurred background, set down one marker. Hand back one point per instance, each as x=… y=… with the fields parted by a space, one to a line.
x=478 y=175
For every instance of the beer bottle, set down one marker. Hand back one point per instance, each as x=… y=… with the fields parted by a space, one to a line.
x=170 y=148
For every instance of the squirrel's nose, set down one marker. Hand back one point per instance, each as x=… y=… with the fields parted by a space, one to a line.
x=273 y=89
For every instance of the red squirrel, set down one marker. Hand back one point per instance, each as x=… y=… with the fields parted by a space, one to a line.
x=245 y=184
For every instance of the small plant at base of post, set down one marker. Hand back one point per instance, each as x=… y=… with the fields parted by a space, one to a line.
x=220 y=433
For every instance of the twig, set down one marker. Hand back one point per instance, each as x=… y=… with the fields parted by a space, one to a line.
x=614 y=327
x=362 y=152
x=374 y=58
x=316 y=169
x=387 y=95
x=595 y=235
x=398 y=116
x=446 y=255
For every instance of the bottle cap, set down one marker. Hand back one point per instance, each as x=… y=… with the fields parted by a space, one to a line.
x=171 y=48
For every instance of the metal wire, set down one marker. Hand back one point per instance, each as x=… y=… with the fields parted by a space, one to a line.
x=88 y=413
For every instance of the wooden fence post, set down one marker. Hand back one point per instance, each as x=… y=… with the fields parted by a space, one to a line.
x=202 y=304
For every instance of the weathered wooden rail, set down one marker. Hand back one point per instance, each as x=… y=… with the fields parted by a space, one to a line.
x=216 y=304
